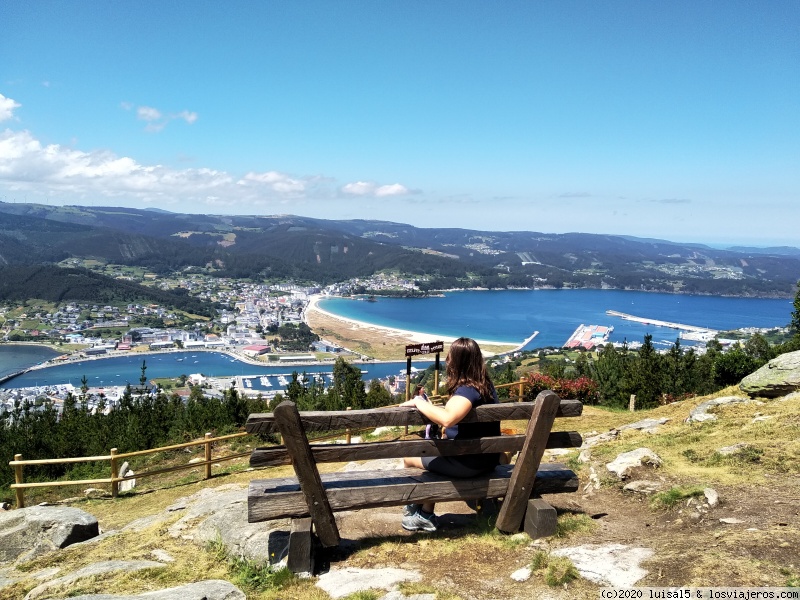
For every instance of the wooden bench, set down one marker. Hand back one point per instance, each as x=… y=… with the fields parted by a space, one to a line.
x=310 y=499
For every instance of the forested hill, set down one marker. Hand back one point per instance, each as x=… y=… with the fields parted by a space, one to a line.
x=56 y=284
x=303 y=248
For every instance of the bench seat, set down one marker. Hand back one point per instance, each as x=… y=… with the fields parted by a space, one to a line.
x=281 y=498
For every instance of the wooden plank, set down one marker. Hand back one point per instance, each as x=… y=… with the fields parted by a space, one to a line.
x=288 y=421
x=278 y=455
x=521 y=484
x=264 y=423
x=280 y=498
x=301 y=547
x=541 y=519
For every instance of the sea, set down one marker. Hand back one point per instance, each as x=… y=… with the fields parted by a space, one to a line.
x=508 y=316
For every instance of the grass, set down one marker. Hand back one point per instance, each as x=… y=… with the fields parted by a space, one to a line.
x=571 y=523
x=555 y=570
x=249 y=575
x=673 y=496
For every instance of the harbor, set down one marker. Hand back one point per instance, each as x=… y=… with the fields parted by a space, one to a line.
x=658 y=323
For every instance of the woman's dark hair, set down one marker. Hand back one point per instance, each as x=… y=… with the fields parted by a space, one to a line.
x=465 y=366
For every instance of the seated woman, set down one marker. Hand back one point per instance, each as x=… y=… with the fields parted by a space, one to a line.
x=469 y=386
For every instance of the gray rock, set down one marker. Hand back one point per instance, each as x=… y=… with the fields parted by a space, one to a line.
x=700 y=413
x=522 y=574
x=712 y=497
x=731 y=521
x=610 y=564
x=342 y=582
x=778 y=377
x=728 y=450
x=648 y=425
x=591 y=440
x=643 y=486
x=211 y=589
x=627 y=461
x=30 y=532
x=220 y=514
x=109 y=566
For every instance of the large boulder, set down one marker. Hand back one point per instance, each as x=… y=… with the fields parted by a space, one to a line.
x=211 y=589
x=778 y=377
x=30 y=532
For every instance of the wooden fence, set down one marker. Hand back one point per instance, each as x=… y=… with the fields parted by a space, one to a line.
x=114 y=457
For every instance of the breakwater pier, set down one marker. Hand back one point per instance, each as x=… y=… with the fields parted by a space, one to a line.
x=645 y=321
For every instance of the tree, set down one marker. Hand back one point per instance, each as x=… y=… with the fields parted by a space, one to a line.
x=794 y=325
x=377 y=395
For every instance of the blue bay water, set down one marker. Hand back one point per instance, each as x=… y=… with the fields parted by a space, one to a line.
x=512 y=315
x=121 y=370
x=509 y=316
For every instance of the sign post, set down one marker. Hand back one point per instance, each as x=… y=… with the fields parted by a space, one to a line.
x=416 y=349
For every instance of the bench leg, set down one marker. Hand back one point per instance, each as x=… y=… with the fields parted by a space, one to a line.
x=301 y=547
x=540 y=519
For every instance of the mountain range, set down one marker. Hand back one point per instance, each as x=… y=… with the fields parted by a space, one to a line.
x=308 y=249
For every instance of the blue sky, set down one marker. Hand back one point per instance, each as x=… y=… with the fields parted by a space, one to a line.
x=678 y=120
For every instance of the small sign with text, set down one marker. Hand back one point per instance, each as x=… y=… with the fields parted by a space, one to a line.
x=430 y=348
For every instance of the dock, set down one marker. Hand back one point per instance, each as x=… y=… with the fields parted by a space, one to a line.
x=656 y=322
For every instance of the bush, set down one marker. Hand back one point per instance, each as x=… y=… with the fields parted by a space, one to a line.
x=583 y=389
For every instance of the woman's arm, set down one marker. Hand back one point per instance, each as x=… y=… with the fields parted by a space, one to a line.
x=448 y=415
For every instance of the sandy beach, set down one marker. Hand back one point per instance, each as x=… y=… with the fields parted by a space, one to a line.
x=383 y=343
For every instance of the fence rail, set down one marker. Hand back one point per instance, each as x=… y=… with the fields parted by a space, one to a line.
x=19 y=486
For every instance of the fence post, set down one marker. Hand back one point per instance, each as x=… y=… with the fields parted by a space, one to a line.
x=20 y=492
x=347 y=433
x=632 y=403
x=114 y=474
x=208 y=456
x=521 y=390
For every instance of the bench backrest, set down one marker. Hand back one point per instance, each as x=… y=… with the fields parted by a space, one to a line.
x=321 y=421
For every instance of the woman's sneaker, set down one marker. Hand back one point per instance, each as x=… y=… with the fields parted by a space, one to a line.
x=420 y=520
x=410 y=509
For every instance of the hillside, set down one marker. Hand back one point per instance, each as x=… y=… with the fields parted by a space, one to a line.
x=671 y=537
x=325 y=251
x=55 y=284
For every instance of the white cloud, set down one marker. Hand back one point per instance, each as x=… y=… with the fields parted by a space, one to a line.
x=73 y=175
x=156 y=120
x=148 y=113
x=394 y=189
x=359 y=188
x=365 y=188
x=7 y=106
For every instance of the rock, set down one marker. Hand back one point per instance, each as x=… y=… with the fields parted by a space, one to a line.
x=643 y=486
x=194 y=461
x=211 y=589
x=30 y=532
x=221 y=514
x=593 y=483
x=728 y=450
x=95 y=493
x=760 y=418
x=522 y=574
x=731 y=521
x=648 y=425
x=610 y=564
x=162 y=555
x=110 y=566
x=128 y=484
x=627 y=461
x=5 y=506
x=585 y=456
x=700 y=413
x=123 y=470
x=712 y=497
x=342 y=582
x=778 y=377
x=591 y=440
